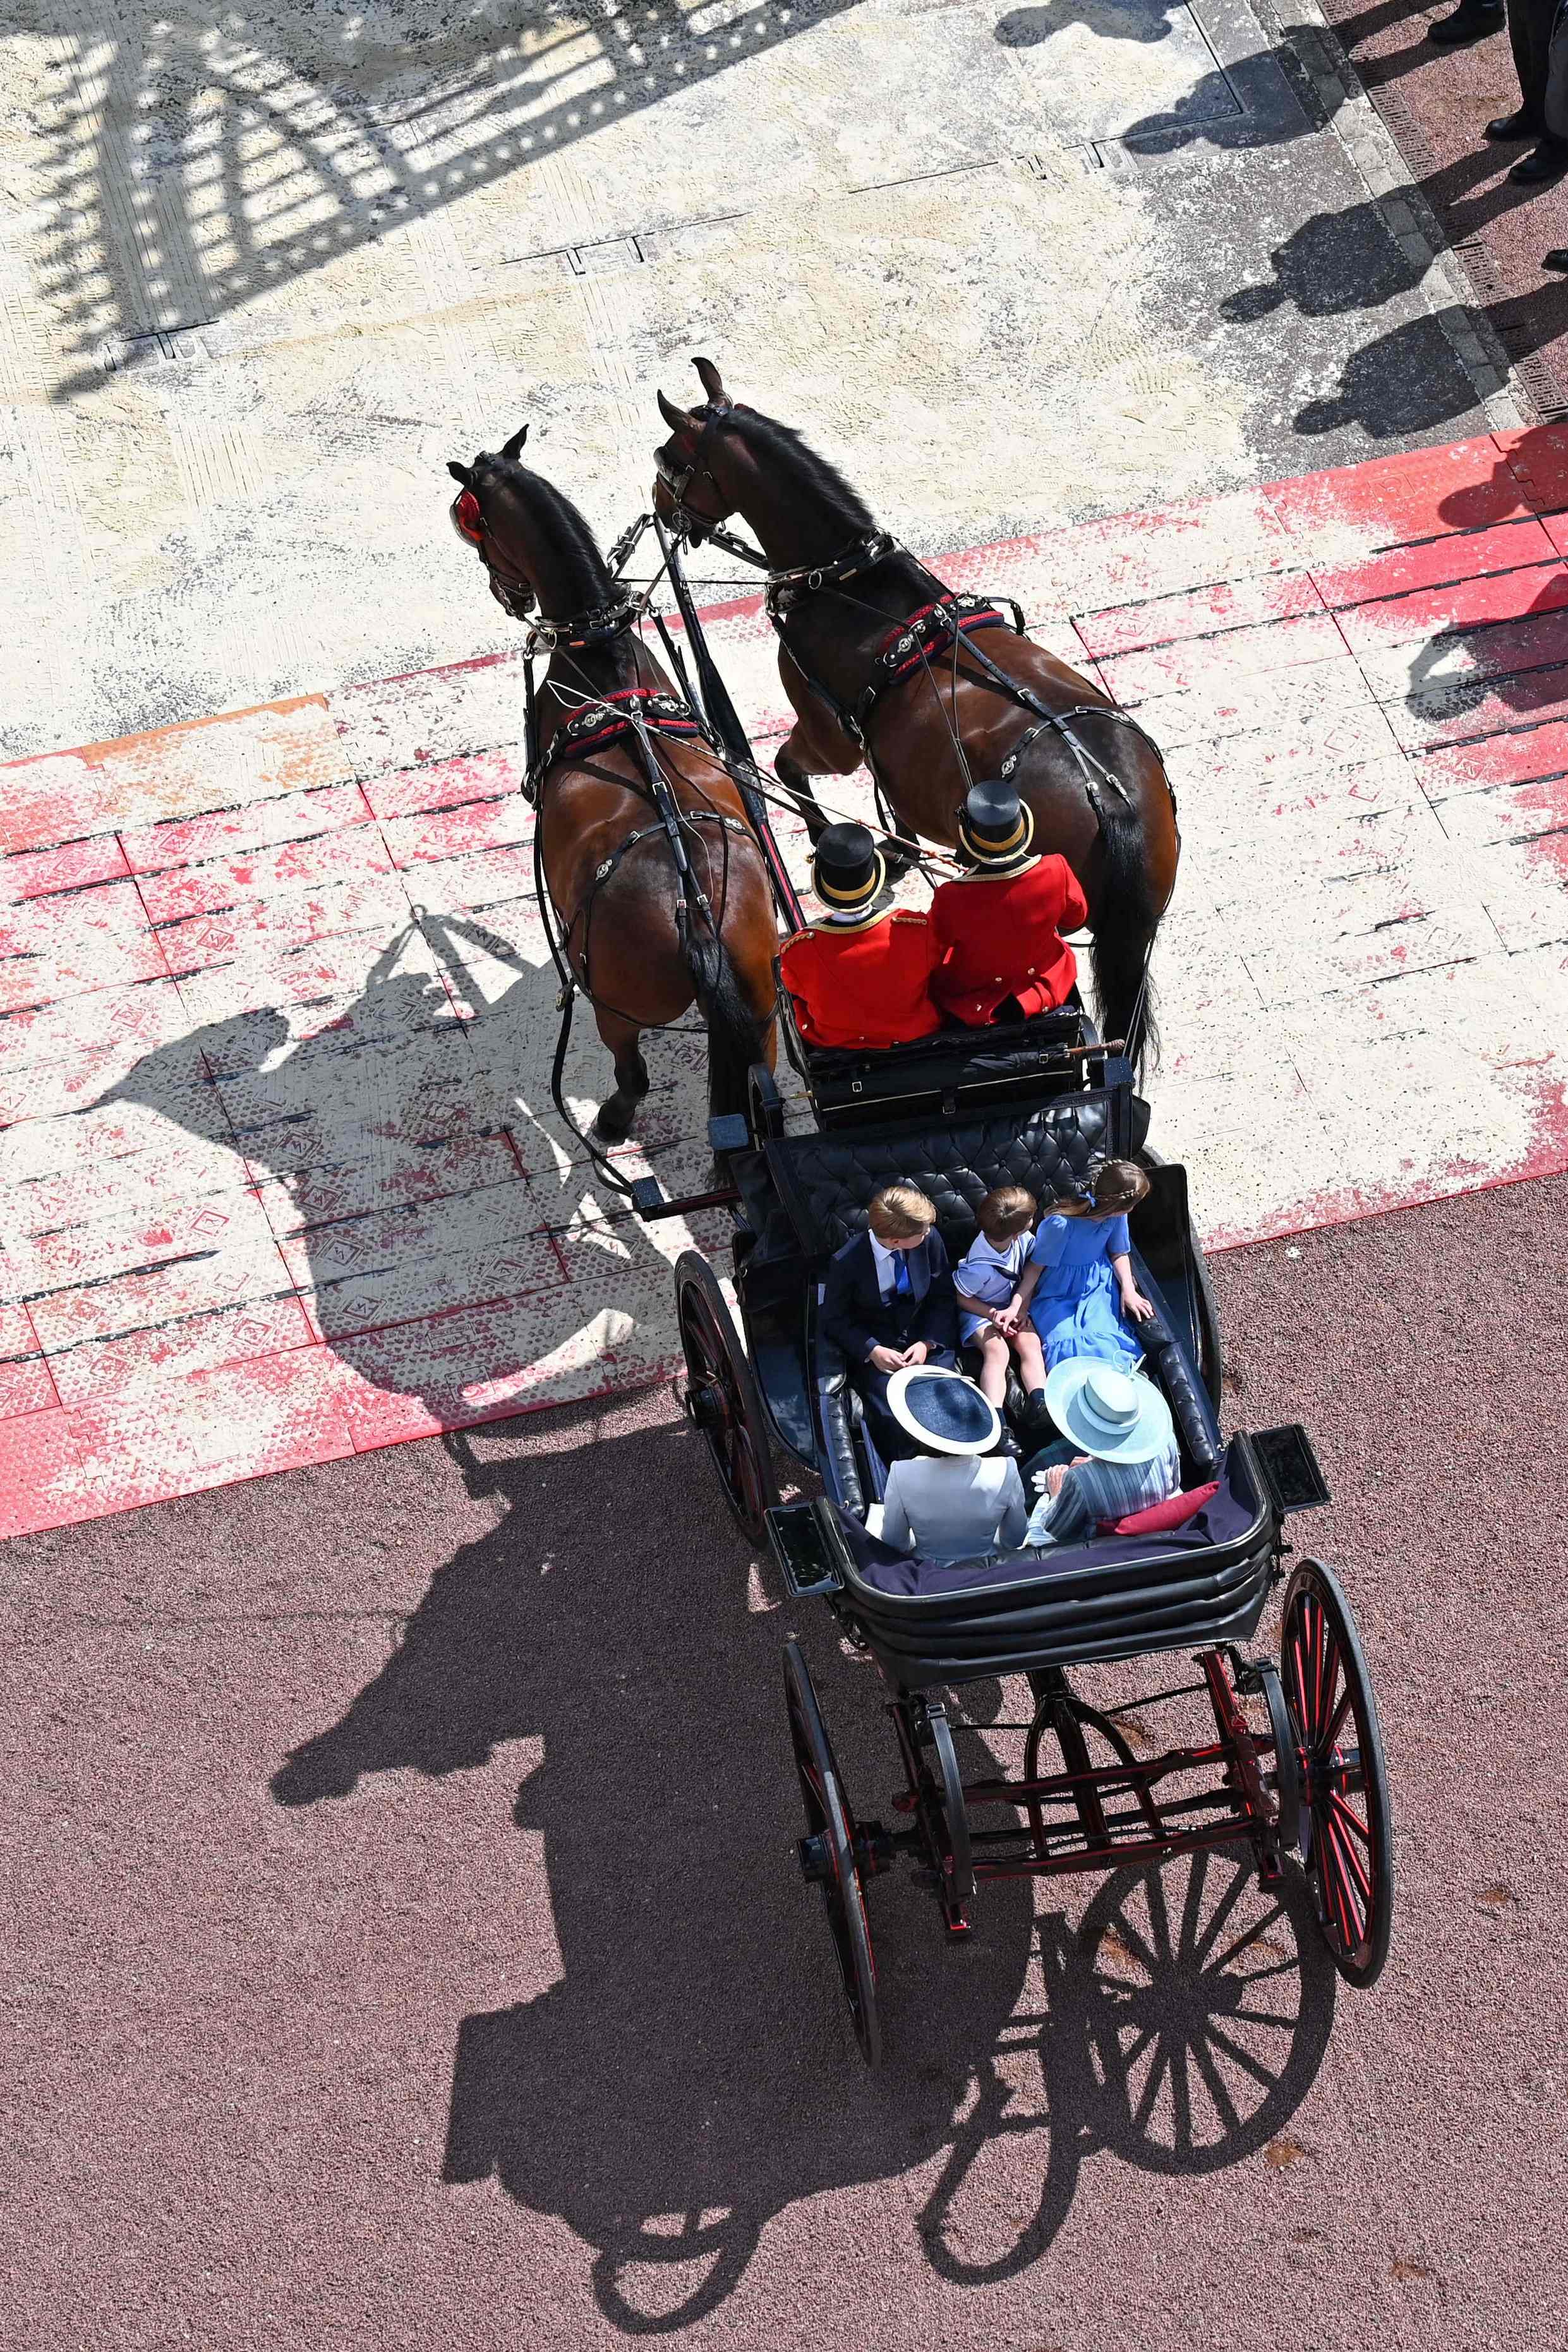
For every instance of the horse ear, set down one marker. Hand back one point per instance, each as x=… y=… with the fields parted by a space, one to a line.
x=712 y=381
x=510 y=448
x=458 y=473
x=680 y=420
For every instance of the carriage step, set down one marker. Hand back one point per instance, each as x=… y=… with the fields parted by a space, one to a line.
x=730 y=1132
x=650 y=1201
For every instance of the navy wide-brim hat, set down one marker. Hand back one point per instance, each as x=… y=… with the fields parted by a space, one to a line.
x=942 y=1412
x=847 y=870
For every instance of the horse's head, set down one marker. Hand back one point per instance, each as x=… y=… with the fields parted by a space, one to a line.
x=490 y=515
x=698 y=471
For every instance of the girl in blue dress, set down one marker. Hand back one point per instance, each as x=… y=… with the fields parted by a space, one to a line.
x=1076 y=1284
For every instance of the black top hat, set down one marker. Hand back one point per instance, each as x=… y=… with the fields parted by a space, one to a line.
x=996 y=828
x=848 y=870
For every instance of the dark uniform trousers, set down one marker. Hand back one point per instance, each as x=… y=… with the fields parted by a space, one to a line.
x=1529 y=25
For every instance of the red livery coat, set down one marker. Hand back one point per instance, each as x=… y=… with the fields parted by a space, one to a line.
x=865 y=986
x=999 y=936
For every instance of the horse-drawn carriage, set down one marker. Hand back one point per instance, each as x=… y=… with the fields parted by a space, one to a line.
x=1295 y=1765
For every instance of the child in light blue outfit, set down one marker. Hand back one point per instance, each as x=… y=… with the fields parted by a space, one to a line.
x=986 y=1281
x=1076 y=1288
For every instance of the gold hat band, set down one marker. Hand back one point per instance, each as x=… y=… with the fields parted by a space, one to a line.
x=867 y=889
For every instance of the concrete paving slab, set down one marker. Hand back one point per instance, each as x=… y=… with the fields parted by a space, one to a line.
x=265 y=276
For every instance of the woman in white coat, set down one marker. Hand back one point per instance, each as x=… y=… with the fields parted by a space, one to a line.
x=958 y=1498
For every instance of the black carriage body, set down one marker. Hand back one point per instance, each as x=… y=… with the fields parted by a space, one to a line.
x=958 y=1115
x=1042 y=1112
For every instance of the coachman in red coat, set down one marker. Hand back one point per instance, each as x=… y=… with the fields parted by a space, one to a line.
x=860 y=978
x=997 y=929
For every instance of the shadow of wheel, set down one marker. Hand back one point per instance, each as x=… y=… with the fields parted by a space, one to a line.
x=1208 y=2001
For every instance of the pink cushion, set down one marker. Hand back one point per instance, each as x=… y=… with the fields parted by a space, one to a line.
x=1174 y=1512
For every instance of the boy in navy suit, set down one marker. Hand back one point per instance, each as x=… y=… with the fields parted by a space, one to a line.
x=889 y=1301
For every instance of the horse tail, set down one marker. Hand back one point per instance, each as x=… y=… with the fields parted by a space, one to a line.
x=736 y=1038
x=1125 y=923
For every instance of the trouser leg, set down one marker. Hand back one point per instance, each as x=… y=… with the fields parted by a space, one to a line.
x=1530 y=38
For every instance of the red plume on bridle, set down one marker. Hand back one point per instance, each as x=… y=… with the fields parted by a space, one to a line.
x=467 y=515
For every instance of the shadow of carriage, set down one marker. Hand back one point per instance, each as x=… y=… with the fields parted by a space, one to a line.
x=690 y=2074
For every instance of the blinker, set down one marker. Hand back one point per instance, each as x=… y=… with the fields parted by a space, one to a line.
x=467 y=520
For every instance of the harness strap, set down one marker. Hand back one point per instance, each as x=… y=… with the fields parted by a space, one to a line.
x=598 y=724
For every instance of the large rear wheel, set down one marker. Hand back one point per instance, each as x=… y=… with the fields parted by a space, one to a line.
x=721 y=1397
x=836 y=1852
x=1348 y=1826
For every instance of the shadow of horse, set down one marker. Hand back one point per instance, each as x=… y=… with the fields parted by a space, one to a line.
x=692 y=2074
x=405 y=1177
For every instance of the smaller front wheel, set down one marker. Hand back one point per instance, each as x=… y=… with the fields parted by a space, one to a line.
x=1349 y=1828
x=722 y=1396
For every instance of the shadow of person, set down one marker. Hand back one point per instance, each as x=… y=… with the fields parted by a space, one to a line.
x=1332 y=263
x=1530 y=479
x=1255 y=101
x=1113 y=20
x=1508 y=663
x=1407 y=380
x=388 y=1141
x=691 y=2072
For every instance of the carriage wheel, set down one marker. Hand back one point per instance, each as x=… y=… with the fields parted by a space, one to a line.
x=722 y=1398
x=834 y=1851
x=1344 y=1782
x=1287 y=1774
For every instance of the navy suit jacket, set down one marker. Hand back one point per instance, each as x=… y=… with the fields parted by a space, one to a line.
x=857 y=1317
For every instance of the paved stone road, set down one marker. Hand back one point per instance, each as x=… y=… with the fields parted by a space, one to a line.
x=264 y=271
x=406 y=1949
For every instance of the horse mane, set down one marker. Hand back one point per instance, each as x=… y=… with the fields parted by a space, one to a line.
x=564 y=532
x=765 y=435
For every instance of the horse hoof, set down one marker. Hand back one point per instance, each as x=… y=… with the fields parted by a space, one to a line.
x=611 y=1127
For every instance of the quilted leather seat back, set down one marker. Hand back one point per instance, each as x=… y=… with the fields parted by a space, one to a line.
x=827 y=1181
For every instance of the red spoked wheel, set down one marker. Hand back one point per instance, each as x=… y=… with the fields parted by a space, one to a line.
x=722 y=1398
x=836 y=1853
x=1349 y=1829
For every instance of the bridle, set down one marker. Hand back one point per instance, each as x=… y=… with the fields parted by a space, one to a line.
x=782 y=589
x=595 y=627
x=687 y=521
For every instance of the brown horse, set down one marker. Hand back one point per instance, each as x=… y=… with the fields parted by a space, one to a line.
x=838 y=591
x=654 y=915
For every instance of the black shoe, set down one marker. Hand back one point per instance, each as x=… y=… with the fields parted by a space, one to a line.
x=1557 y=259
x=1549 y=161
x=1469 y=22
x=1520 y=124
x=1008 y=1443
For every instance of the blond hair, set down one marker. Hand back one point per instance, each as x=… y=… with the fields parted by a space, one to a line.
x=1005 y=1214
x=900 y=1212
x=1116 y=1186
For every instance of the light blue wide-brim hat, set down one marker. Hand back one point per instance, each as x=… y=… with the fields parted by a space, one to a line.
x=1116 y=1416
x=941 y=1411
